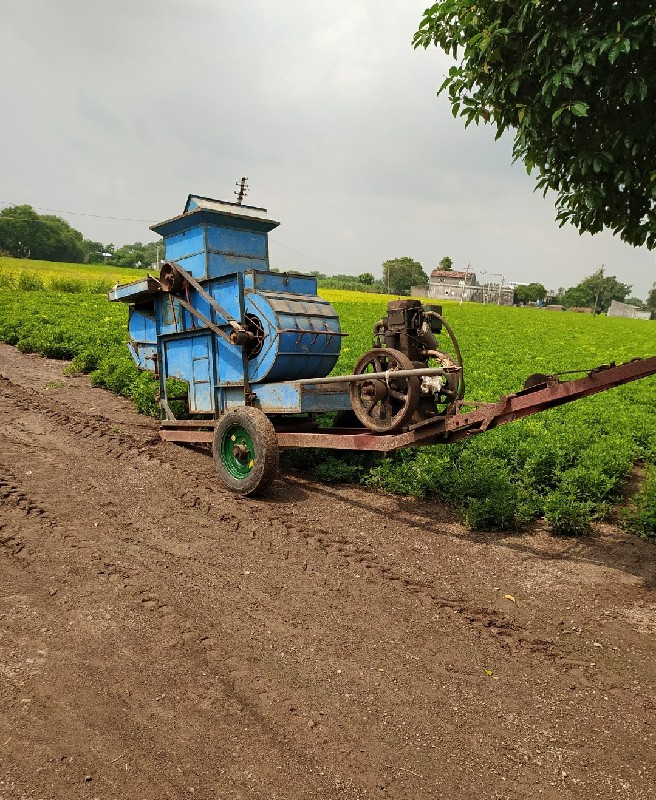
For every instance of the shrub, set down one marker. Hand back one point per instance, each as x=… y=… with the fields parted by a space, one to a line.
x=7 y=280
x=641 y=519
x=333 y=469
x=69 y=285
x=99 y=286
x=566 y=515
x=30 y=282
x=86 y=361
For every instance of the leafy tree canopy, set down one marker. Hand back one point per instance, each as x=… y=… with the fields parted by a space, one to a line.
x=367 y=278
x=530 y=293
x=577 y=84
x=596 y=289
x=446 y=263
x=651 y=301
x=402 y=273
x=26 y=234
x=136 y=255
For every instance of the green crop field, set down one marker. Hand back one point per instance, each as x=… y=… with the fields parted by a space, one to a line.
x=72 y=278
x=568 y=464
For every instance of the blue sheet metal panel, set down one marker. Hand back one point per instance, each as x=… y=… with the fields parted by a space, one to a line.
x=325 y=397
x=144 y=355
x=225 y=290
x=141 y=324
x=281 y=282
x=202 y=388
x=134 y=292
x=169 y=315
x=288 y=397
x=143 y=337
x=223 y=264
x=187 y=243
x=189 y=359
x=174 y=318
x=250 y=244
x=229 y=364
x=194 y=264
x=200 y=216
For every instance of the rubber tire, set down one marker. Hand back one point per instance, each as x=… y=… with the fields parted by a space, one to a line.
x=265 y=441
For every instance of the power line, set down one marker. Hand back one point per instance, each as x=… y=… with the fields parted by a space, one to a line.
x=305 y=255
x=84 y=214
x=150 y=222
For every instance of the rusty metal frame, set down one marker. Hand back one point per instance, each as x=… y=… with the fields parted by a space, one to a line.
x=446 y=429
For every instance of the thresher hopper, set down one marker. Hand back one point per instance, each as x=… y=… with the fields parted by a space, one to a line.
x=255 y=348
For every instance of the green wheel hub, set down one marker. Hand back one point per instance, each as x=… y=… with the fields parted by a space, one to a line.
x=237 y=452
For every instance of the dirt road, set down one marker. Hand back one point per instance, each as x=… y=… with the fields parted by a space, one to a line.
x=162 y=638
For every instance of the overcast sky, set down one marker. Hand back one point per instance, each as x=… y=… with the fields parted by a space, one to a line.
x=122 y=109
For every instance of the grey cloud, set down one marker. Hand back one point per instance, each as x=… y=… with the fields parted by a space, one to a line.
x=124 y=108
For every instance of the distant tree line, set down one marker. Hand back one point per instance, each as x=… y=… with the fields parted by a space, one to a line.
x=45 y=237
x=26 y=234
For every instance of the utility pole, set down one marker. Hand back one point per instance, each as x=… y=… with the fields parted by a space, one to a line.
x=601 y=279
x=242 y=190
x=467 y=271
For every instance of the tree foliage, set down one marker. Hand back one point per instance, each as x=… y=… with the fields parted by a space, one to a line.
x=651 y=301
x=530 y=293
x=136 y=255
x=446 y=263
x=26 y=234
x=367 y=278
x=577 y=84
x=402 y=273
x=596 y=290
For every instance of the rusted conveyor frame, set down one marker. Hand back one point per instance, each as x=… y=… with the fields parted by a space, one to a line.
x=482 y=417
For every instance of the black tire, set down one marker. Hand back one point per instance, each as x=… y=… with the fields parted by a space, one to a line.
x=245 y=451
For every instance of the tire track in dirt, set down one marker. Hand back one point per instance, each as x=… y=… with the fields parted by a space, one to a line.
x=186 y=596
x=192 y=494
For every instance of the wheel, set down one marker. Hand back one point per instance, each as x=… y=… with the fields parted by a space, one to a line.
x=170 y=279
x=245 y=450
x=384 y=405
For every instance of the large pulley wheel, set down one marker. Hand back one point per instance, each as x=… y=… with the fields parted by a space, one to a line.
x=245 y=450
x=170 y=279
x=384 y=403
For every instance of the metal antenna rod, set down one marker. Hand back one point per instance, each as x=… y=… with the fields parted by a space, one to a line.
x=242 y=189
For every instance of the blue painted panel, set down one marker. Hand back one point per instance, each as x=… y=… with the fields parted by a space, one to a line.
x=134 y=292
x=230 y=240
x=293 y=398
x=194 y=264
x=190 y=359
x=230 y=367
x=143 y=355
x=178 y=359
x=225 y=291
x=141 y=325
x=185 y=243
x=202 y=389
x=222 y=264
x=280 y=282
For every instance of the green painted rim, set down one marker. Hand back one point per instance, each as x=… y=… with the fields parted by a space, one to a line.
x=238 y=452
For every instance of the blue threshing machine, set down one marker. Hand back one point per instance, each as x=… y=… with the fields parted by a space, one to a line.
x=256 y=347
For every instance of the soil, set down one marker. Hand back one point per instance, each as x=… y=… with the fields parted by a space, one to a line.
x=163 y=638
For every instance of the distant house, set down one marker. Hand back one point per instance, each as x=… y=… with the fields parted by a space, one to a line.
x=454 y=284
x=625 y=310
